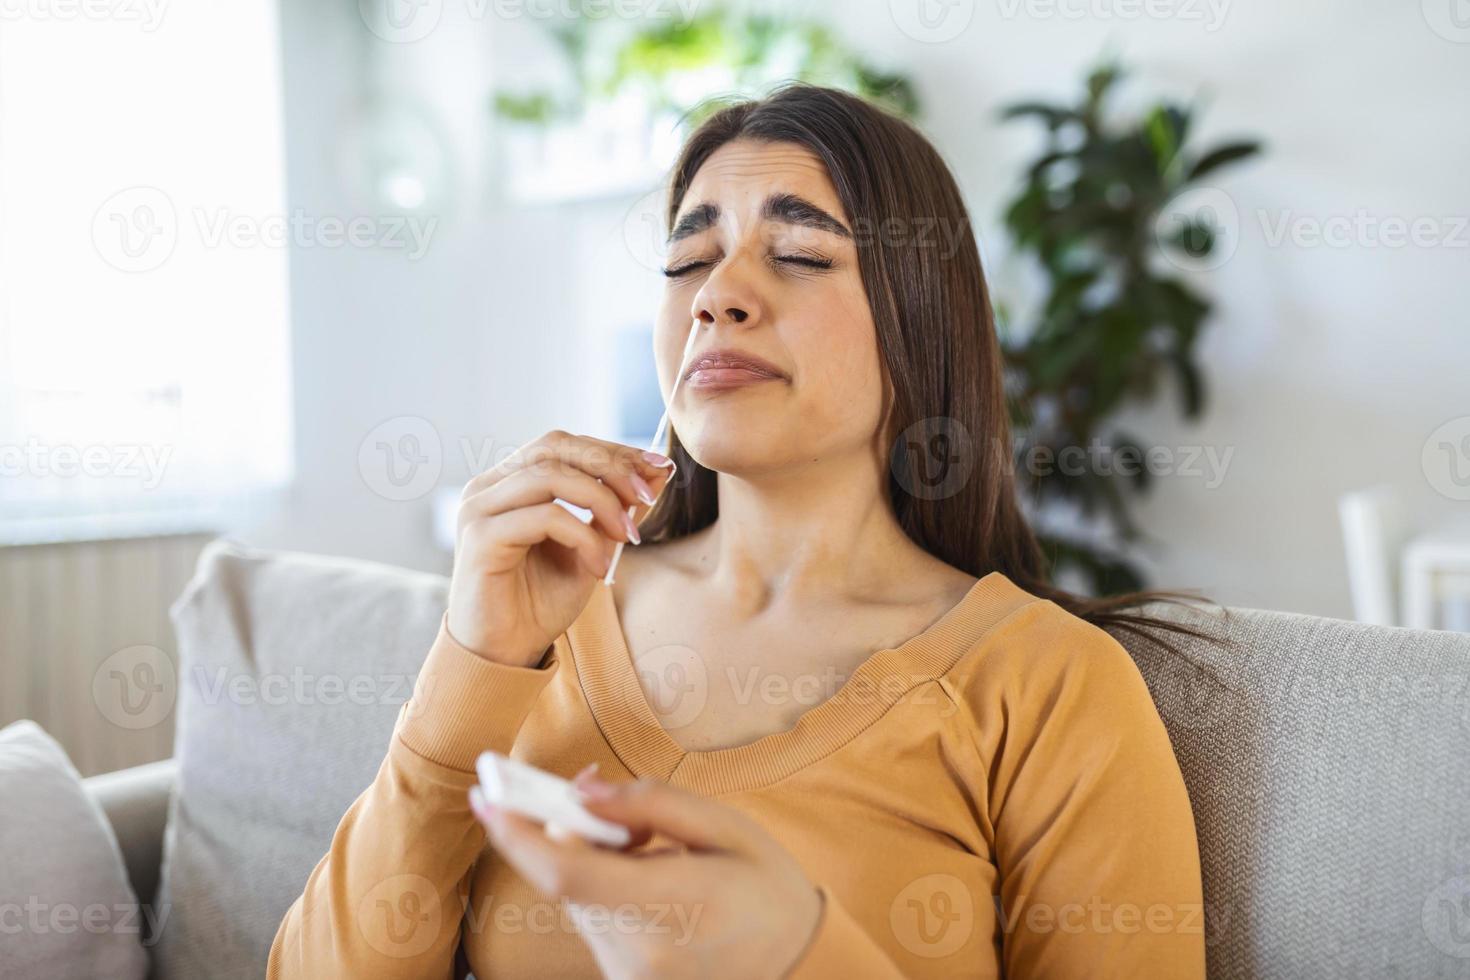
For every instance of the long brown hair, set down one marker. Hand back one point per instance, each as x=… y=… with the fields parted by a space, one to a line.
x=936 y=335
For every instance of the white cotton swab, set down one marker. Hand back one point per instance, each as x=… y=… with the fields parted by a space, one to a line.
x=658 y=435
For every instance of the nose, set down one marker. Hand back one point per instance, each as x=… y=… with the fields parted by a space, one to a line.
x=727 y=297
x=733 y=314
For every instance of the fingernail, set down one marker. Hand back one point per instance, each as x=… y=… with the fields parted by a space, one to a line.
x=477 y=800
x=589 y=770
x=596 y=789
x=642 y=489
x=657 y=459
x=630 y=527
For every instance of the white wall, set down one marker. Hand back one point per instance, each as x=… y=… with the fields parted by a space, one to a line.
x=1328 y=367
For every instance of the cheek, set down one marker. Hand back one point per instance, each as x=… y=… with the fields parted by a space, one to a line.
x=845 y=373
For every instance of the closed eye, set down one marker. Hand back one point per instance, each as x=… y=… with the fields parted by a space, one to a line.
x=684 y=270
x=805 y=260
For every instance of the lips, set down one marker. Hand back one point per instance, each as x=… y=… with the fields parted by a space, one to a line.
x=728 y=368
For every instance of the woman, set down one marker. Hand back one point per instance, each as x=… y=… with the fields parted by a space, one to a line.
x=854 y=732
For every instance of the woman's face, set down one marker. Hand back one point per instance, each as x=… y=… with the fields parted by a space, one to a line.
x=763 y=258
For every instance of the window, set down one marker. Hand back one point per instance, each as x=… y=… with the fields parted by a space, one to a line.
x=144 y=345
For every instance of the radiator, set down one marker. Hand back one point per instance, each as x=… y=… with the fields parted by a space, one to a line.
x=86 y=647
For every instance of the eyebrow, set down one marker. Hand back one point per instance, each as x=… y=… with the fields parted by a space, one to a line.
x=785 y=208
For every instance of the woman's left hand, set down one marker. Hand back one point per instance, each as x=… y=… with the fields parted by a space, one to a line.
x=730 y=903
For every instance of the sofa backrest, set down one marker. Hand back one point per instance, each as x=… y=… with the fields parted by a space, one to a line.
x=1327 y=768
x=1325 y=762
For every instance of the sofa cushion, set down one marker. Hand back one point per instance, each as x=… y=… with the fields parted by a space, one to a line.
x=66 y=909
x=292 y=672
x=1327 y=768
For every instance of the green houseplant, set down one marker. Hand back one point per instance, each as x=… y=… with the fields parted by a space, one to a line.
x=673 y=65
x=1116 y=316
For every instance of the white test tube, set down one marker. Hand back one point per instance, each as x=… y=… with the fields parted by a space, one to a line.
x=658 y=435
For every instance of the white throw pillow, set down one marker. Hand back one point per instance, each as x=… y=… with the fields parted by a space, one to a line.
x=66 y=908
x=292 y=671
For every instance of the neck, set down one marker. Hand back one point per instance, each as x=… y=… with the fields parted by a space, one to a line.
x=812 y=531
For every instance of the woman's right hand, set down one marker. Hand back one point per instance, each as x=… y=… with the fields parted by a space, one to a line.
x=524 y=566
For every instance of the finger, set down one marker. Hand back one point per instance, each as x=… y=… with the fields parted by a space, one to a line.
x=569 y=867
x=637 y=837
x=613 y=462
x=648 y=806
x=512 y=534
x=525 y=488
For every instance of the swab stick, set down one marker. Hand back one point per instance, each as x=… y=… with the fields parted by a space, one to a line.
x=658 y=436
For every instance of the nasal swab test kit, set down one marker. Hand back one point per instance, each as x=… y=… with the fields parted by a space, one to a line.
x=658 y=436
x=545 y=798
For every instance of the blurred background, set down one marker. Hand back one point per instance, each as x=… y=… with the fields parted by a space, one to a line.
x=293 y=272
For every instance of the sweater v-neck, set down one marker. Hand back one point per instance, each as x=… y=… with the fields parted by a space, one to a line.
x=609 y=679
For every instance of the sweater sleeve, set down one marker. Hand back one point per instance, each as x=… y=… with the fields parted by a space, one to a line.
x=387 y=899
x=1091 y=825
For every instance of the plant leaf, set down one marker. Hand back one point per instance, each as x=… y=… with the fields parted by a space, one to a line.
x=1052 y=115
x=1191 y=384
x=1221 y=155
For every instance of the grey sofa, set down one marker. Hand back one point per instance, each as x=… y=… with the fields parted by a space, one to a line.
x=1326 y=762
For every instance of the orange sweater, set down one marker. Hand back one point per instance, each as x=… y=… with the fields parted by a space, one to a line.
x=997 y=794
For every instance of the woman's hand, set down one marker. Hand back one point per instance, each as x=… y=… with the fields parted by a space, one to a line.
x=726 y=900
x=524 y=566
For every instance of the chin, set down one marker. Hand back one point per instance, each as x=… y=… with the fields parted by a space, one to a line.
x=738 y=450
